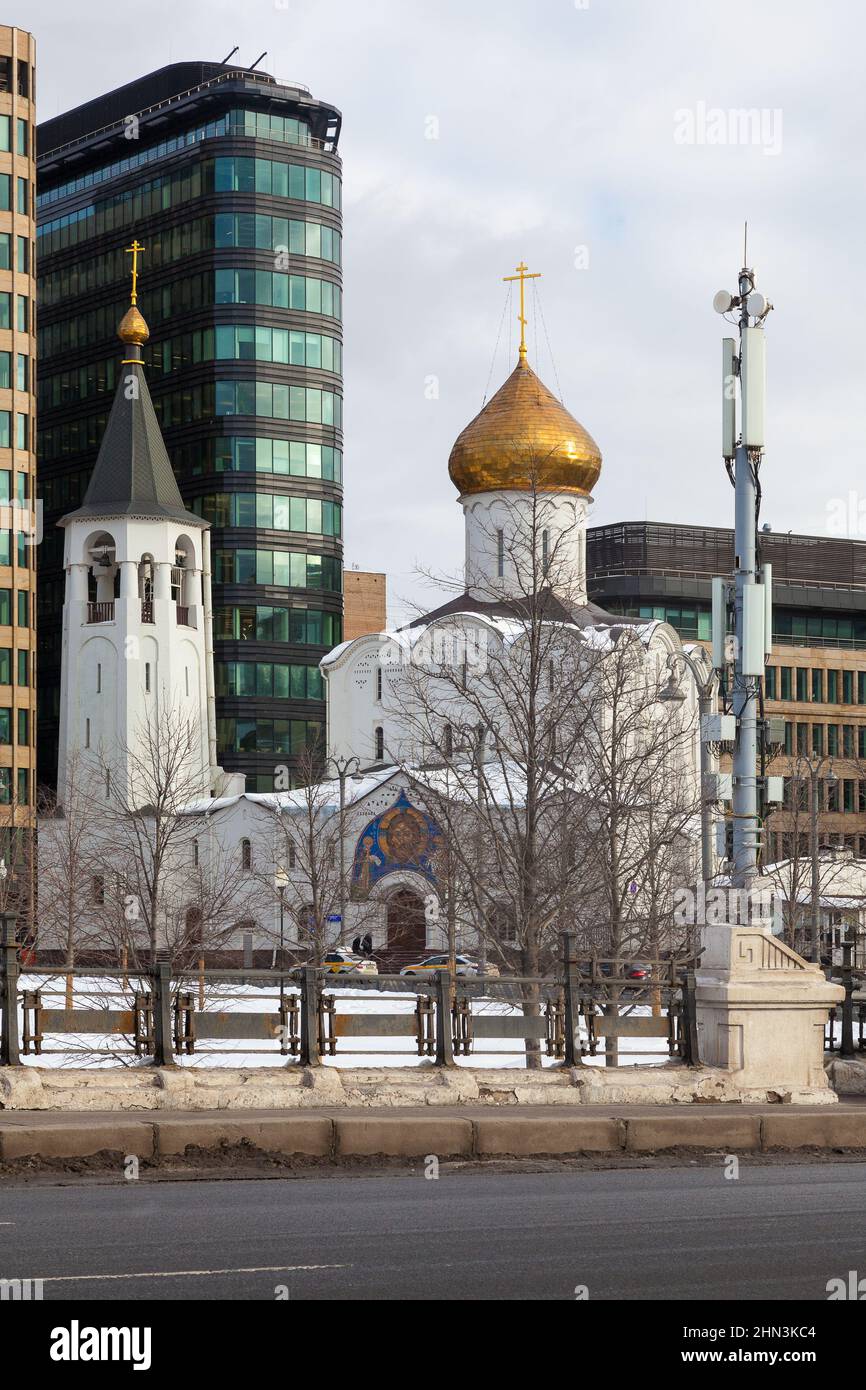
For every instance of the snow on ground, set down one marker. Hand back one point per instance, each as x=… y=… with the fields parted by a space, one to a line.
x=95 y=1050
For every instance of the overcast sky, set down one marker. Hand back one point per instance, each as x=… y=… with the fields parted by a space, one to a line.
x=562 y=141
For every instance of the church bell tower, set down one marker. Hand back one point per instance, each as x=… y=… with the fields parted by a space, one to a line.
x=137 y=643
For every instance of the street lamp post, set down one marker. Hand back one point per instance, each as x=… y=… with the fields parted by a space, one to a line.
x=281 y=883
x=706 y=687
x=344 y=768
x=815 y=764
x=473 y=740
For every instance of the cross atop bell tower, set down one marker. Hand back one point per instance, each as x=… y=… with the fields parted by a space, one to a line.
x=135 y=251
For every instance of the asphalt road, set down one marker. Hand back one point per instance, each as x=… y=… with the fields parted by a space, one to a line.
x=672 y=1233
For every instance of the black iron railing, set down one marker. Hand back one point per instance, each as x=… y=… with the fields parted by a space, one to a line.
x=156 y=1012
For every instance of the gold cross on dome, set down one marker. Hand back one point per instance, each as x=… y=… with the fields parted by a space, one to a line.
x=134 y=250
x=523 y=274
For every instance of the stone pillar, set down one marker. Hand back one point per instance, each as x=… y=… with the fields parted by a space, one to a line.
x=162 y=582
x=128 y=579
x=192 y=589
x=78 y=575
x=104 y=585
x=761 y=1012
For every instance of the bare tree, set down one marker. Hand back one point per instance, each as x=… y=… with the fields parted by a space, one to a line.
x=174 y=886
x=305 y=877
x=805 y=832
x=17 y=863
x=557 y=779
x=71 y=872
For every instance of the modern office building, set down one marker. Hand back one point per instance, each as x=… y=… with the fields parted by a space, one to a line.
x=17 y=447
x=230 y=180
x=816 y=676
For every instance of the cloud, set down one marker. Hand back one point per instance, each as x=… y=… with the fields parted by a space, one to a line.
x=556 y=131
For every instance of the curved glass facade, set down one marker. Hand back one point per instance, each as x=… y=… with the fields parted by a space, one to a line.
x=241 y=287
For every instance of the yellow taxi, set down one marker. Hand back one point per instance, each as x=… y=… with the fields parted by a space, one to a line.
x=348 y=963
x=463 y=966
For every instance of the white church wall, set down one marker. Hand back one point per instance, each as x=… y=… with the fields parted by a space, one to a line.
x=491 y=566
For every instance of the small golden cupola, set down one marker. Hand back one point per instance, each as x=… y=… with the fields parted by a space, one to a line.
x=133 y=328
x=524 y=438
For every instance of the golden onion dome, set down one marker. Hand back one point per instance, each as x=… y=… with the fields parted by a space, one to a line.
x=524 y=438
x=133 y=328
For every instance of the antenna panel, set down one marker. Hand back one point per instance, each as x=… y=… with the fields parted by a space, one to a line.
x=729 y=398
x=753 y=386
x=719 y=624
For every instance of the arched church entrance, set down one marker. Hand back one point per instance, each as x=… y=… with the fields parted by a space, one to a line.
x=407 y=927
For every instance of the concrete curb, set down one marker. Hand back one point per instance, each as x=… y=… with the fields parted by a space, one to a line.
x=417 y=1135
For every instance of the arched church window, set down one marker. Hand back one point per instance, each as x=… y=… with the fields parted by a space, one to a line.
x=545 y=551
x=500 y=553
x=379 y=744
x=449 y=741
x=195 y=854
x=379 y=683
x=145 y=579
x=246 y=856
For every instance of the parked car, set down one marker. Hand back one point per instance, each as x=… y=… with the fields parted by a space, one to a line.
x=636 y=971
x=348 y=963
x=464 y=966
x=631 y=970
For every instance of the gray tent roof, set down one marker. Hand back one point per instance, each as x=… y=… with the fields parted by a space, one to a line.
x=133 y=475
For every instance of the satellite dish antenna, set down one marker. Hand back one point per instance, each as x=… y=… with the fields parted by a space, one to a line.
x=756 y=304
x=723 y=302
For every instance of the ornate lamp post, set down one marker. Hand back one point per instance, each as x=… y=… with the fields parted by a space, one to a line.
x=472 y=739
x=815 y=763
x=281 y=883
x=343 y=769
x=706 y=686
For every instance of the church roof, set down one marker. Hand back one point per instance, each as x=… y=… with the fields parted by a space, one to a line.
x=133 y=475
x=553 y=609
x=525 y=439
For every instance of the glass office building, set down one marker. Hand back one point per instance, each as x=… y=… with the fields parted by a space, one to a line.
x=231 y=180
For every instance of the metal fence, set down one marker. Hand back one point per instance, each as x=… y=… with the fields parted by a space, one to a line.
x=159 y=1015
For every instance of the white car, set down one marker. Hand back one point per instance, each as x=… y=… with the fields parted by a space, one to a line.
x=347 y=963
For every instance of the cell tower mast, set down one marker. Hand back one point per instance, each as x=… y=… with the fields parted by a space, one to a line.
x=742 y=602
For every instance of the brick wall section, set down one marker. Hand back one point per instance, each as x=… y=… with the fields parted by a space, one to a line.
x=364 y=597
